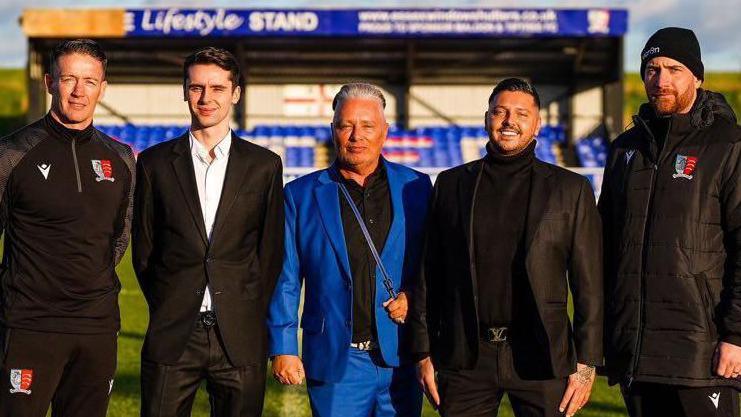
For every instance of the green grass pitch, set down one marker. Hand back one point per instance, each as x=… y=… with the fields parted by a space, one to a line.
x=279 y=401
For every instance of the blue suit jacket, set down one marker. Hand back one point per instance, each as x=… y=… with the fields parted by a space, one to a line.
x=316 y=252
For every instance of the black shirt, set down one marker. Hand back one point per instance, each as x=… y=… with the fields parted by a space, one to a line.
x=500 y=211
x=374 y=204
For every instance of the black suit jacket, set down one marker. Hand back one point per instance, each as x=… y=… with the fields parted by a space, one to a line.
x=174 y=259
x=563 y=248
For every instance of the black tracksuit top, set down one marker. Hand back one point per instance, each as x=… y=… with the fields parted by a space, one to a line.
x=65 y=210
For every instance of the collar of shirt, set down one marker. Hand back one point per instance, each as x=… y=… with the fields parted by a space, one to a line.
x=372 y=181
x=220 y=151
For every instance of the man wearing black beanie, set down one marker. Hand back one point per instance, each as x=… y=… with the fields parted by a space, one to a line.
x=671 y=212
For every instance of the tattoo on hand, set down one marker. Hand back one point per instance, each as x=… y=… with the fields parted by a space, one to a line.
x=584 y=375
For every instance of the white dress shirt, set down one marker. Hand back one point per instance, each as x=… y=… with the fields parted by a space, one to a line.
x=210 y=175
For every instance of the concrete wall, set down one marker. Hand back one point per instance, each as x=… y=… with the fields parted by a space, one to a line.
x=465 y=105
x=307 y=104
x=586 y=112
x=434 y=105
x=429 y=105
x=141 y=105
x=145 y=104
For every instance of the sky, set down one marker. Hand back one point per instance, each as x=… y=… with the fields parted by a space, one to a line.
x=715 y=22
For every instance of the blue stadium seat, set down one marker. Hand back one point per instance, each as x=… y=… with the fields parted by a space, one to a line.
x=592 y=151
x=424 y=147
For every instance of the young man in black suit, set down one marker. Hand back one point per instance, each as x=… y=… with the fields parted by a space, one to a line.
x=208 y=247
x=490 y=314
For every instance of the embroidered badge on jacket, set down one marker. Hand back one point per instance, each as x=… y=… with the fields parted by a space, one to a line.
x=103 y=169
x=684 y=166
x=20 y=380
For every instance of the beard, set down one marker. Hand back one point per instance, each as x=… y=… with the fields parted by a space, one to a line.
x=668 y=101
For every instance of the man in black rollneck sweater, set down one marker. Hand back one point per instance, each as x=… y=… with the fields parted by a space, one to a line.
x=489 y=313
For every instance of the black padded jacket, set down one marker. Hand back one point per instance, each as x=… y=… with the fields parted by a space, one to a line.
x=672 y=228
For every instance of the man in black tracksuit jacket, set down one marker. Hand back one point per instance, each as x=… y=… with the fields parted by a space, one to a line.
x=672 y=225
x=66 y=193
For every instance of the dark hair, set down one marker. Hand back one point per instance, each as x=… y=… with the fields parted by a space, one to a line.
x=77 y=46
x=216 y=56
x=515 y=84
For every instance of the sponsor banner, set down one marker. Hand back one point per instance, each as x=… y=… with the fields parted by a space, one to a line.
x=176 y=22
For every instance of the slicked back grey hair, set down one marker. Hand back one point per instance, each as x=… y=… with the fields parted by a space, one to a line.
x=358 y=90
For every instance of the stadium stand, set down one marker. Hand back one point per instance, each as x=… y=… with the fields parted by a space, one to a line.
x=592 y=151
x=310 y=146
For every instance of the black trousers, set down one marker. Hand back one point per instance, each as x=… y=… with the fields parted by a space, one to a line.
x=169 y=390
x=73 y=372
x=649 y=400
x=479 y=391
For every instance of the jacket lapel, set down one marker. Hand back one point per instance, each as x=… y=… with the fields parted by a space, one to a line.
x=397 y=219
x=236 y=171
x=182 y=164
x=467 y=190
x=540 y=191
x=328 y=199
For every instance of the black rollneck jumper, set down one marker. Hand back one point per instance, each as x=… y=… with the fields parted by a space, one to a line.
x=499 y=217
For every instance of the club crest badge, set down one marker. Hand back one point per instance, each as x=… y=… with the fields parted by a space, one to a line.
x=684 y=166
x=103 y=169
x=20 y=380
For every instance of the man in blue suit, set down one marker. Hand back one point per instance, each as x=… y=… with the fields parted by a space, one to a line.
x=354 y=357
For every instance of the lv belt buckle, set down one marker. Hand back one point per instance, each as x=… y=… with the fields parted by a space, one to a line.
x=367 y=345
x=496 y=334
x=208 y=318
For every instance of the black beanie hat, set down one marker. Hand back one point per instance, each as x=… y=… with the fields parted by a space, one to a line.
x=676 y=43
